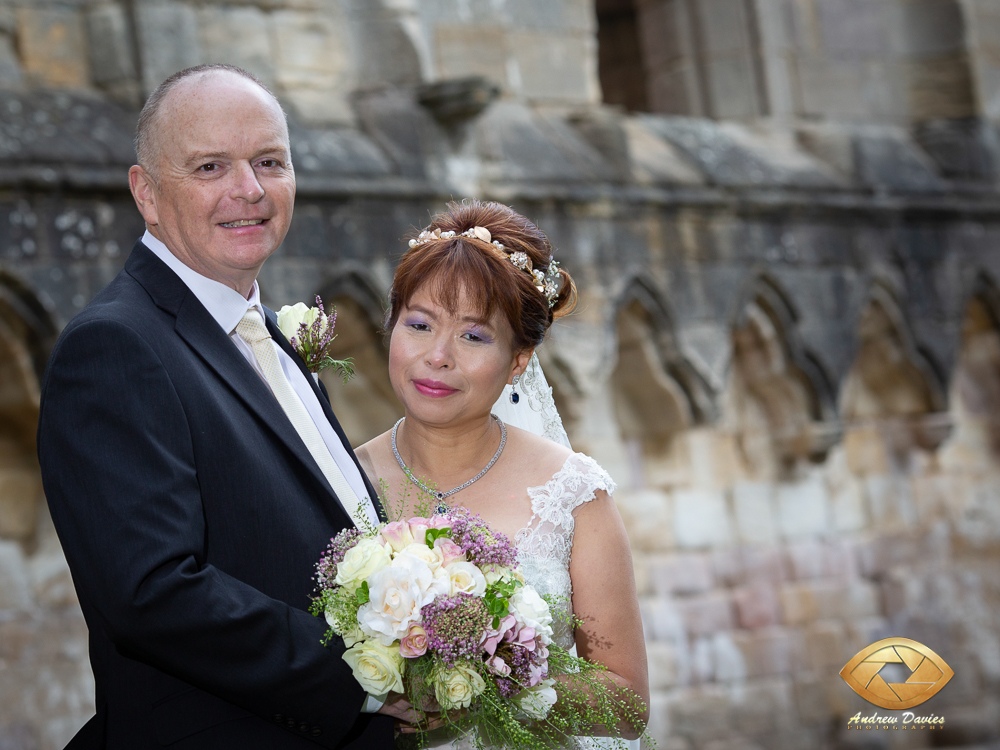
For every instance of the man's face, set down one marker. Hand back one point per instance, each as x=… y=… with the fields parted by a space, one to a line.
x=222 y=196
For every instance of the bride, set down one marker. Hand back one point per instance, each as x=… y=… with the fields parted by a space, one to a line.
x=469 y=303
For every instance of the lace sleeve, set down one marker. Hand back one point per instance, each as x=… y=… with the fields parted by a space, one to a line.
x=549 y=533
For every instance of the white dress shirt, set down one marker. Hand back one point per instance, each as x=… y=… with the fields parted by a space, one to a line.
x=228 y=307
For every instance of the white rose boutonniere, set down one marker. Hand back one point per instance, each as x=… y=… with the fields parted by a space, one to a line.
x=310 y=332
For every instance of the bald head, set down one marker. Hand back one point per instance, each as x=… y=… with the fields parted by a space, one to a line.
x=197 y=83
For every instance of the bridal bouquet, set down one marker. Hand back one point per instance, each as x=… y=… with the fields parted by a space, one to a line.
x=436 y=608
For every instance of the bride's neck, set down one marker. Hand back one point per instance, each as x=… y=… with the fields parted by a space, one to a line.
x=445 y=452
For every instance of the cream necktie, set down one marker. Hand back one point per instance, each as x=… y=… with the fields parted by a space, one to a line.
x=252 y=330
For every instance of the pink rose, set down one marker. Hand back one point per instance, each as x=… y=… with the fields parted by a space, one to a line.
x=440 y=522
x=398 y=535
x=418 y=527
x=414 y=643
x=450 y=552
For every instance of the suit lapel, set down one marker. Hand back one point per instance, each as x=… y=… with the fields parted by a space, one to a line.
x=324 y=401
x=202 y=333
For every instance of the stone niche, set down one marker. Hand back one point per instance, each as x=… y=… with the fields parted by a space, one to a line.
x=775 y=403
x=891 y=400
x=365 y=405
x=20 y=481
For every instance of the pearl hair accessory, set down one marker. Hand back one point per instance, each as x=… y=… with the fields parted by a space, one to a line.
x=548 y=282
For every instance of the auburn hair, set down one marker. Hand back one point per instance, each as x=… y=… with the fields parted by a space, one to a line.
x=489 y=282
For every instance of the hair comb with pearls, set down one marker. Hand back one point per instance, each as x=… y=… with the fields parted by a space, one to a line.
x=548 y=282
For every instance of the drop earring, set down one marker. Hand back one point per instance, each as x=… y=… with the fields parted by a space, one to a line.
x=514 y=397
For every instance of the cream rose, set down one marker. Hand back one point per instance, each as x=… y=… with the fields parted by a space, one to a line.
x=464 y=576
x=377 y=668
x=396 y=594
x=457 y=687
x=531 y=611
x=361 y=560
x=290 y=317
x=433 y=558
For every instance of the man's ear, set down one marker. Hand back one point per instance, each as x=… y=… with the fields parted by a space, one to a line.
x=520 y=364
x=144 y=192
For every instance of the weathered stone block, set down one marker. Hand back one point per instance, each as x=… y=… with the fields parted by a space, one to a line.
x=757 y=607
x=803 y=508
x=112 y=51
x=662 y=662
x=648 y=517
x=680 y=574
x=702 y=714
x=53 y=46
x=728 y=660
x=20 y=488
x=824 y=646
x=309 y=50
x=753 y=507
x=462 y=51
x=806 y=558
x=250 y=49
x=701 y=519
x=168 y=40
x=15 y=588
x=802 y=603
x=767 y=652
x=662 y=619
x=848 y=506
x=708 y=614
x=763 y=707
x=853 y=29
x=554 y=68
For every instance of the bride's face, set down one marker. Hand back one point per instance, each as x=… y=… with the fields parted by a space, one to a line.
x=447 y=368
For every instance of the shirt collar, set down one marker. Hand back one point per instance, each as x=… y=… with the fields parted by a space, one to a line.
x=226 y=305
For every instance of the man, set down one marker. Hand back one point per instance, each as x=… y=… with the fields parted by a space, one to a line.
x=194 y=470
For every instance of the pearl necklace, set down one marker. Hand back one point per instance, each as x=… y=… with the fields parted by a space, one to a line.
x=442 y=506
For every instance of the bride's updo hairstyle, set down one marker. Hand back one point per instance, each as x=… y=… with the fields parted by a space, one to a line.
x=477 y=267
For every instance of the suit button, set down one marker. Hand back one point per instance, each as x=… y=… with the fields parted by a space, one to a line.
x=316 y=732
x=303 y=727
x=290 y=723
x=279 y=719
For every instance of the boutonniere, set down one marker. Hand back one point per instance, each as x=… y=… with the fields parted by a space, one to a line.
x=310 y=332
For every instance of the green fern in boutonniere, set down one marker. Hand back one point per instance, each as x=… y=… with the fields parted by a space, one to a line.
x=310 y=333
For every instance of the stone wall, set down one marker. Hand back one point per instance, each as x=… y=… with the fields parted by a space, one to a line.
x=787 y=350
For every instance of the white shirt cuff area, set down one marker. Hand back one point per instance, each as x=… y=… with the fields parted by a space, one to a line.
x=373 y=704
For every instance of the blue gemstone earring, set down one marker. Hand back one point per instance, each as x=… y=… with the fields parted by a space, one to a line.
x=514 y=397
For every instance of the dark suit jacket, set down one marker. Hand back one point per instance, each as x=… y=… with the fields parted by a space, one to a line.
x=191 y=515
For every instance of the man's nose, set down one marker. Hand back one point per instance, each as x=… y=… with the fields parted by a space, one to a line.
x=246 y=186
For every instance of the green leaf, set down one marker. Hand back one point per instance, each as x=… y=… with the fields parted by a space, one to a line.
x=432 y=535
x=362 y=593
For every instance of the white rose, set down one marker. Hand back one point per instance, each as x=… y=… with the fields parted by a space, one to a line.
x=377 y=668
x=531 y=611
x=430 y=557
x=536 y=702
x=464 y=576
x=290 y=317
x=361 y=560
x=457 y=687
x=498 y=573
x=396 y=593
x=353 y=636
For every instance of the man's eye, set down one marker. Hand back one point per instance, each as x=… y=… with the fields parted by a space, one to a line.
x=268 y=163
x=208 y=167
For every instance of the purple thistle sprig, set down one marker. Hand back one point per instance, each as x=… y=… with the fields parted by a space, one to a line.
x=313 y=342
x=455 y=627
x=483 y=545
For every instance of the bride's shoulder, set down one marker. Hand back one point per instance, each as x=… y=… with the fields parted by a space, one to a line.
x=373 y=453
x=537 y=451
